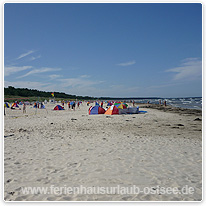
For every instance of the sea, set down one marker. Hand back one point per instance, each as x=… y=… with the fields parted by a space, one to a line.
x=188 y=103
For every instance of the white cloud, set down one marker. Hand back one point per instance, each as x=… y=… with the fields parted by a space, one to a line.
x=26 y=84
x=79 y=86
x=34 y=58
x=189 y=59
x=25 y=54
x=164 y=85
x=127 y=63
x=37 y=71
x=54 y=76
x=85 y=76
x=190 y=69
x=96 y=90
x=76 y=86
x=80 y=82
x=13 y=69
x=119 y=90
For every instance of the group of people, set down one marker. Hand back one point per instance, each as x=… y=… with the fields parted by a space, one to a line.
x=39 y=105
x=72 y=105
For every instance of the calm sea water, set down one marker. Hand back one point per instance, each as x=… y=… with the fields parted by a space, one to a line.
x=189 y=103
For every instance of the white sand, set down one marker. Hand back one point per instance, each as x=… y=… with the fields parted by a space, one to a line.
x=146 y=150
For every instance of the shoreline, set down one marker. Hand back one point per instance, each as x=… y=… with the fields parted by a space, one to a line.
x=170 y=108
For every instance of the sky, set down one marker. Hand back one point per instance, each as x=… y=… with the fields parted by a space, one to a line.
x=105 y=50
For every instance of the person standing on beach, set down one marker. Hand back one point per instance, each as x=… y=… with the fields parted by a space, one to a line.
x=133 y=103
x=24 y=108
x=69 y=105
x=165 y=104
x=73 y=106
x=102 y=104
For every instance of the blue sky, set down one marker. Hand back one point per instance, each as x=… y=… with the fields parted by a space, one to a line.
x=119 y=50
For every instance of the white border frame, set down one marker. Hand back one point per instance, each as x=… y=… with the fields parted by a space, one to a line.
x=96 y=1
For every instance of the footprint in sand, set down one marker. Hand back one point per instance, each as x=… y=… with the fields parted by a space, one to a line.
x=75 y=165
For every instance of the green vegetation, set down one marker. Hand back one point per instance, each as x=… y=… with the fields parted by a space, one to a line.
x=24 y=94
x=34 y=95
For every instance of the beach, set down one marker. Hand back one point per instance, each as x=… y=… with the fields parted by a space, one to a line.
x=160 y=148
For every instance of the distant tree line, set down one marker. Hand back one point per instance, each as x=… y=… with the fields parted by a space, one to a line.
x=25 y=92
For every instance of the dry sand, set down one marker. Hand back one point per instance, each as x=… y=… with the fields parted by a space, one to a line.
x=71 y=148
